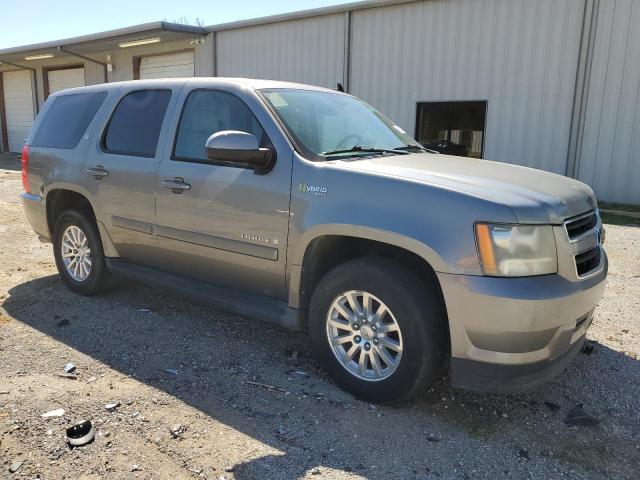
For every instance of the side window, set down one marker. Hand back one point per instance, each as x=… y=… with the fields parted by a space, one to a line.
x=135 y=125
x=207 y=112
x=67 y=119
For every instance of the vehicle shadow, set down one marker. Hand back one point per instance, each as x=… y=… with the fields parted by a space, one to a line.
x=456 y=434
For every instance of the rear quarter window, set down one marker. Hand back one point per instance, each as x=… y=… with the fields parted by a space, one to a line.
x=67 y=119
x=134 y=127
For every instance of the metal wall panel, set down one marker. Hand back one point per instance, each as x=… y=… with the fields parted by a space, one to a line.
x=519 y=55
x=309 y=50
x=610 y=149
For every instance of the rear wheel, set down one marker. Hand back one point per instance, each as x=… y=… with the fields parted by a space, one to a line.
x=379 y=329
x=78 y=252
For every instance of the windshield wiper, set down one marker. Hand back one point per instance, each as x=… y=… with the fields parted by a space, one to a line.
x=365 y=149
x=415 y=148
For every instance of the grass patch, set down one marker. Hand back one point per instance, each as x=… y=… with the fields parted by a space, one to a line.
x=619 y=206
x=618 y=219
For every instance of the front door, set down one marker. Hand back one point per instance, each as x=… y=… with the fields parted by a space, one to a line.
x=219 y=223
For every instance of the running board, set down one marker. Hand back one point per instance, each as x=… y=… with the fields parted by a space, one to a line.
x=251 y=305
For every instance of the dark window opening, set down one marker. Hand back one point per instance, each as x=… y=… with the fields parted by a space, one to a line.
x=453 y=128
x=135 y=125
x=67 y=119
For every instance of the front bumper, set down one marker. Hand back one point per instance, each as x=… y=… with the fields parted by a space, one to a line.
x=511 y=334
x=35 y=209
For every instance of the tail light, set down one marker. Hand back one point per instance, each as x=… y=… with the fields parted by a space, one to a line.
x=25 y=168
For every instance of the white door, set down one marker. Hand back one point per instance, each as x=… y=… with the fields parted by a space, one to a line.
x=63 y=79
x=18 y=104
x=167 y=66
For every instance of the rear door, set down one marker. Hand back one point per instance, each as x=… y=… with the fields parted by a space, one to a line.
x=121 y=173
x=228 y=226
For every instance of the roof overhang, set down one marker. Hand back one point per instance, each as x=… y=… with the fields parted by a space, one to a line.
x=102 y=42
x=301 y=14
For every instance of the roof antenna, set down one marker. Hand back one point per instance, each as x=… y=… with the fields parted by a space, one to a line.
x=340 y=87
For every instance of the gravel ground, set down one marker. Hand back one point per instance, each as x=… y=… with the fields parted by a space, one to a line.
x=252 y=403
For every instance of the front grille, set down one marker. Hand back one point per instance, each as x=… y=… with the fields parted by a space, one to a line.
x=581 y=225
x=587 y=261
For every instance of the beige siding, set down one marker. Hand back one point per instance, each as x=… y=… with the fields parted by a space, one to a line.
x=610 y=149
x=308 y=51
x=519 y=55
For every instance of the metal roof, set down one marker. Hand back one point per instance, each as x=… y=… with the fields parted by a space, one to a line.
x=108 y=40
x=314 y=12
x=102 y=41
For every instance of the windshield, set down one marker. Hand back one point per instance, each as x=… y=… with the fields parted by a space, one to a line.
x=332 y=125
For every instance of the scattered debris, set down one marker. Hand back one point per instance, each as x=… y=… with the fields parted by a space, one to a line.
x=265 y=385
x=172 y=371
x=135 y=414
x=5 y=392
x=315 y=471
x=588 y=348
x=144 y=310
x=80 y=434
x=92 y=379
x=301 y=372
x=282 y=431
x=69 y=376
x=230 y=468
x=554 y=407
x=135 y=468
x=69 y=368
x=523 y=453
x=177 y=430
x=53 y=413
x=63 y=323
x=433 y=438
x=112 y=406
x=15 y=466
x=578 y=417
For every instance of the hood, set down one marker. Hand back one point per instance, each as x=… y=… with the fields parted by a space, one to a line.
x=534 y=196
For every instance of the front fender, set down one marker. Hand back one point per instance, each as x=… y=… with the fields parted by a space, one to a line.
x=360 y=231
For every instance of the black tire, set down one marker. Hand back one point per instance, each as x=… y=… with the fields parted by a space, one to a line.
x=100 y=278
x=425 y=337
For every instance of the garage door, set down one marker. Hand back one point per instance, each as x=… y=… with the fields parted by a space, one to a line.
x=18 y=104
x=67 y=78
x=167 y=66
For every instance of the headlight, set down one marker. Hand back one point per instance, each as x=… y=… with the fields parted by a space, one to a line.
x=516 y=250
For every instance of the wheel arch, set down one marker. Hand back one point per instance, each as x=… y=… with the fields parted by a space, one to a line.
x=327 y=249
x=63 y=198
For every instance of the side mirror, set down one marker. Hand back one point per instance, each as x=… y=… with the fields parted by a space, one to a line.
x=238 y=147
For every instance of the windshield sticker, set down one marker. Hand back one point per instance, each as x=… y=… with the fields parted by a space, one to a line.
x=314 y=189
x=277 y=100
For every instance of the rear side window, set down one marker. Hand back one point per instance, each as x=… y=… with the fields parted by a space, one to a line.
x=135 y=125
x=210 y=111
x=67 y=119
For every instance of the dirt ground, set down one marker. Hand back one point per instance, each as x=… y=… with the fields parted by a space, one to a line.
x=176 y=365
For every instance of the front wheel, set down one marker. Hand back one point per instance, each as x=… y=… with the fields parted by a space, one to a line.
x=78 y=252
x=379 y=329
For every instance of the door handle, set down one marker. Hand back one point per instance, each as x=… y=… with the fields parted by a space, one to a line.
x=98 y=172
x=176 y=185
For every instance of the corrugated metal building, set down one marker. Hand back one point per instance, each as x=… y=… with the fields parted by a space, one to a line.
x=544 y=83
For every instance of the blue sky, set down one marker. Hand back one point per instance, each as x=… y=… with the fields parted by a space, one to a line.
x=24 y=22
